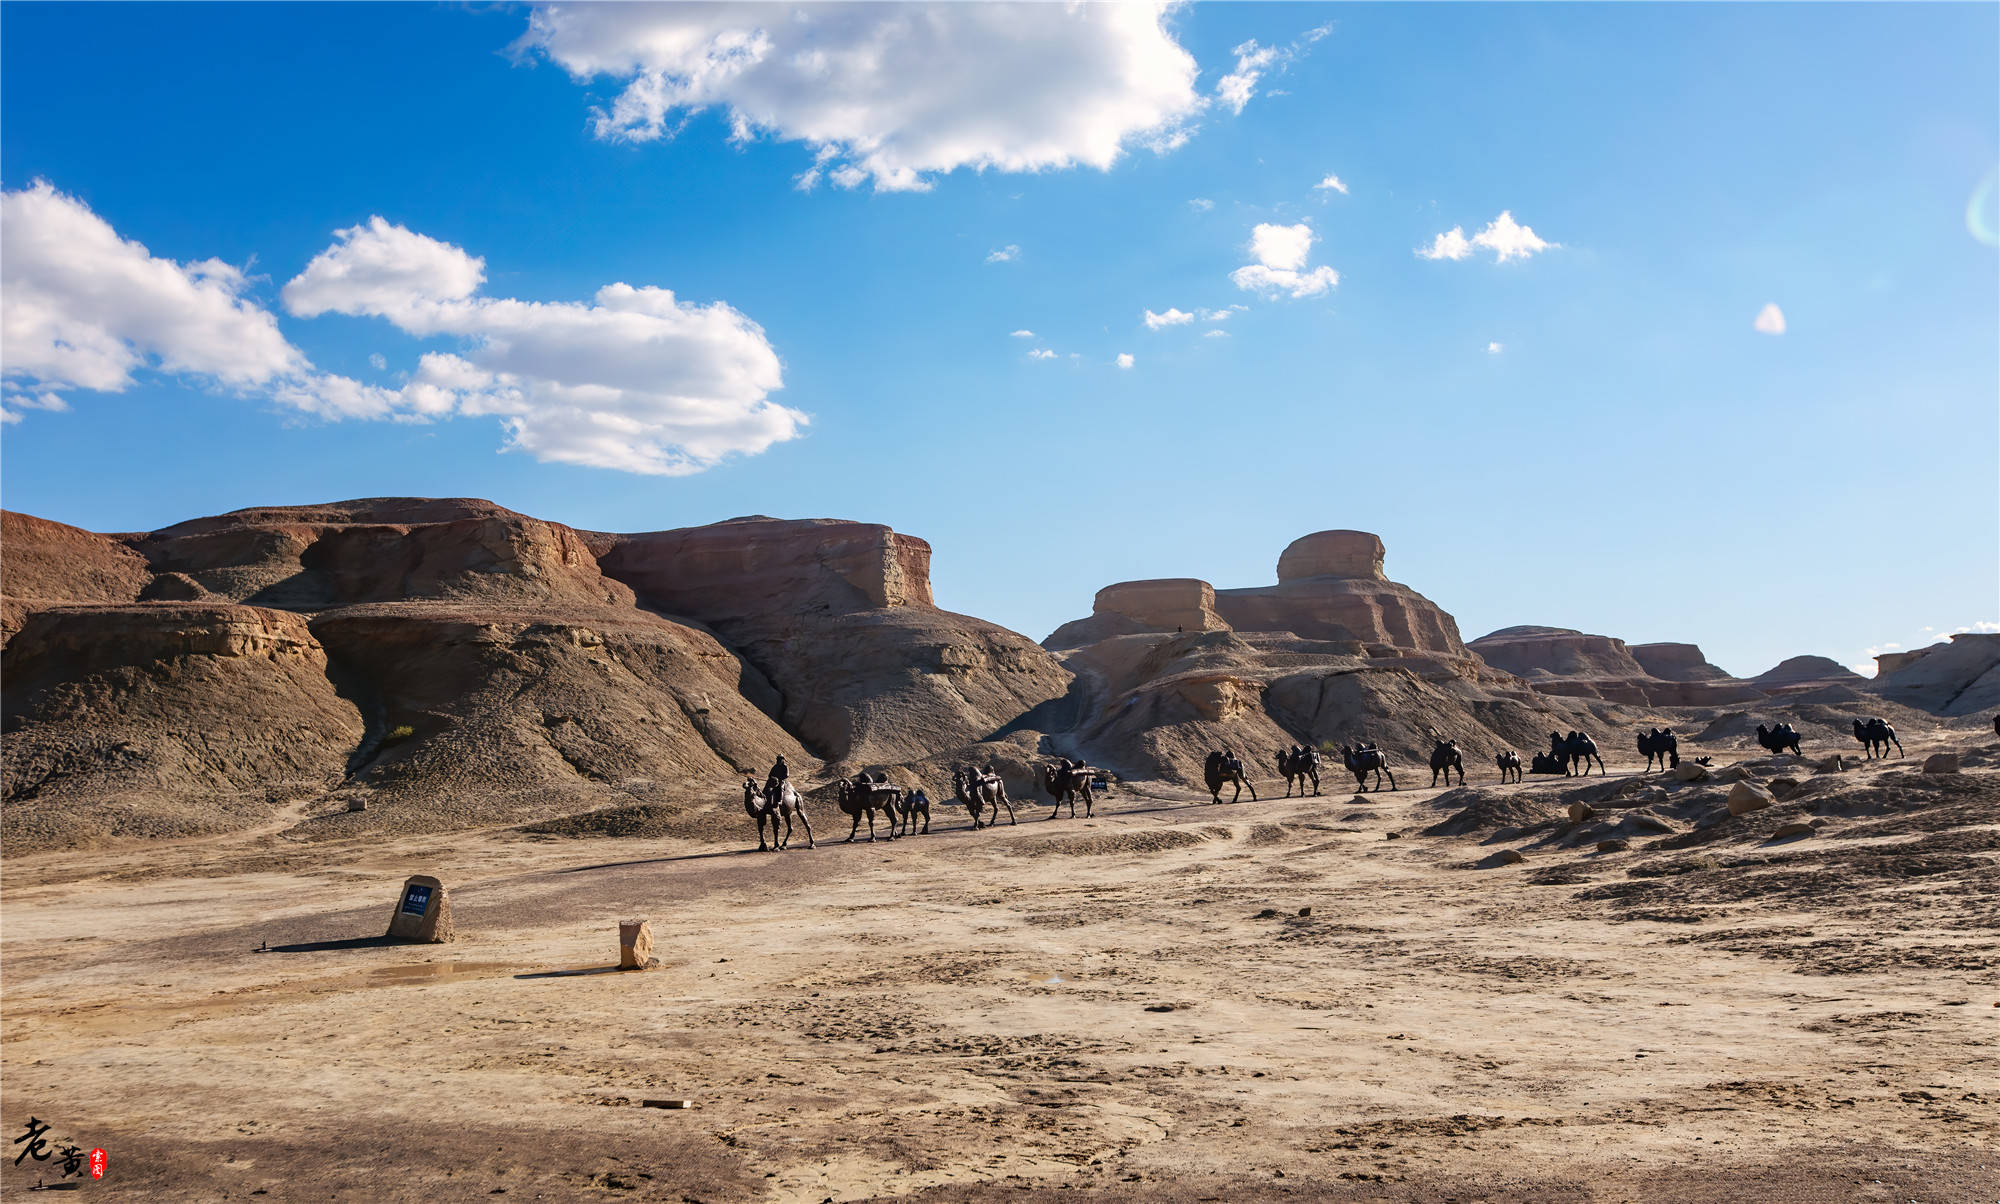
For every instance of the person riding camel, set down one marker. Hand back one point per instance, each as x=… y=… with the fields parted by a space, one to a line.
x=780 y=773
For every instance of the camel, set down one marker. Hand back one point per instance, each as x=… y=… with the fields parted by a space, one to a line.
x=1509 y=763
x=1573 y=750
x=1222 y=768
x=982 y=792
x=1779 y=738
x=1364 y=759
x=1877 y=732
x=866 y=795
x=1663 y=746
x=1445 y=757
x=914 y=804
x=1299 y=765
x=774 y=802
x=1064 y=782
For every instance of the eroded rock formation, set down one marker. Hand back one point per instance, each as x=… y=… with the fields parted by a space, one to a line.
x=1960 y=677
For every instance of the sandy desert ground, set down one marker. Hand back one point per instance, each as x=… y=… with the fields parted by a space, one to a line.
x=1138 y=1006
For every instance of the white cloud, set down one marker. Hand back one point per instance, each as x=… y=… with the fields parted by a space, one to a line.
x=1221 y=315
x=1124 y=360
x=1495 y=348
x=379 y=268
x=82 y=308
x=1452 y=244
x=1505 y=237
x=1508 y=239
x=635 y=379
x=1041 y=353
x=1215 y=334
x=1252 y=60
x=1173 y=317
x=1331 y=184
x=889 y=92
x=377 y=362
x=1005 y=254
x=1281 y=247
x=1770 y=320
x=1201 y=204
x=1022 y=334
x=1281 y=253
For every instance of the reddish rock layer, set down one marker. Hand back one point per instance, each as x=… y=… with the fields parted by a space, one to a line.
x=44 y=563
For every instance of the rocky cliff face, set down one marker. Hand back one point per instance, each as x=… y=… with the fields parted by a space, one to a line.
x=1956 y=678
x=160 y=719
x=381 y=550
x=43 y=563
x=1330 y=587
x=1676 y=662
x=1539 y=652
x=1801 y=673
x=839 y=616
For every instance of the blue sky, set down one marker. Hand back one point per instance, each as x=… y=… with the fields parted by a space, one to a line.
x=1591 y=433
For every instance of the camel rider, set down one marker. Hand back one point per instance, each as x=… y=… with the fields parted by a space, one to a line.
x=780 y=773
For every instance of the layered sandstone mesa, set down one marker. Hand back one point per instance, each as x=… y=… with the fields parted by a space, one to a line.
x=1136 y=607
x=760 y=565
x=1676 y=662
x=379 y=550
x=162 y=719
x=839 y=616
x=1800 y=673
x=1539 y=652
x=1958 y=678
x=1331 y=587
x=45 y=563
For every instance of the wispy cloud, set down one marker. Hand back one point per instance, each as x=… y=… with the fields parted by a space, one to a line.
x=1041 y=353
x=1770 y=320
x=1022 y=334
x=1495 y=348
x=1005 y=254
x=1173 y=317
x=1201 y=204
x=1331 y=184
x=1253 y=60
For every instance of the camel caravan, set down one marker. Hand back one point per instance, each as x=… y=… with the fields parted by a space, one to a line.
x=780 y=808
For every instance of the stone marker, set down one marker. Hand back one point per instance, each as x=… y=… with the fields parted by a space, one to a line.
x=1941 y=763
x=423 y=913
x=357 y=804
x=1745 y=798
x=1794 y=829
x=635 y=944
x=1688 y=771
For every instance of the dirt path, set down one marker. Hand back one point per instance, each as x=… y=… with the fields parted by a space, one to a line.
x=1135 y=1006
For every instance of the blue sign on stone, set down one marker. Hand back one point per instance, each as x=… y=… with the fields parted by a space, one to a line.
x=416 y=900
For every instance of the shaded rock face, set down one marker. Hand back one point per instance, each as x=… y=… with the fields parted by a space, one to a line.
x=160 y=719
x=839 y=616
x=1956 y=678
x=1675 y=662
x=524 y=709
x=44 y=563
x=1535 y=652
